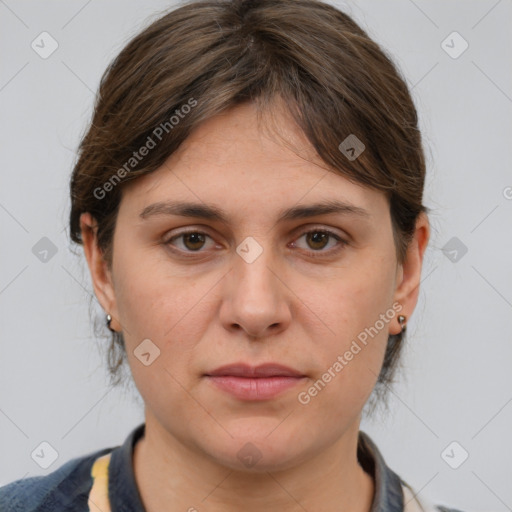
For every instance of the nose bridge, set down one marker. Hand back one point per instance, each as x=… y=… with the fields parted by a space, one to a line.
x=255 y=299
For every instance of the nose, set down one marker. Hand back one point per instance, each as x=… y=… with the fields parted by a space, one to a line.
x=256 y=300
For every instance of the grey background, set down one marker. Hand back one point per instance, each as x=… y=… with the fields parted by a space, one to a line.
x=456 y=384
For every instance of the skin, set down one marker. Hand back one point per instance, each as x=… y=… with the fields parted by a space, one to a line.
x=210 y=307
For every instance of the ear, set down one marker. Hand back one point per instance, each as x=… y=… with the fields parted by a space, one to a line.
x=409 y=272
x=100 y=274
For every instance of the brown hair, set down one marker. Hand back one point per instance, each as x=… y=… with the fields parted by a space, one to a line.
x=214 y=54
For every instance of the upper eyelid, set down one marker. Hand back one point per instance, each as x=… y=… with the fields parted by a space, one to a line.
x=297 y=231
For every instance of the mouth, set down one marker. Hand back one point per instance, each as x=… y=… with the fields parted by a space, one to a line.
x=261 y=382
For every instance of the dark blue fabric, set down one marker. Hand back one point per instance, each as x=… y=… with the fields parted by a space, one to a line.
x=122 y=488
x=67 y=488
x=388 y=495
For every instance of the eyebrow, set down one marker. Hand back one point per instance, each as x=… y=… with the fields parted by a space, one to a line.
x=211 y=212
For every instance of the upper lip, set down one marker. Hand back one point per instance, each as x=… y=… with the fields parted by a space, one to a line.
x=262 y=370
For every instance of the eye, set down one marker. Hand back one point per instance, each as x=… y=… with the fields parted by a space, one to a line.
x=318 y=239
x=191 y=241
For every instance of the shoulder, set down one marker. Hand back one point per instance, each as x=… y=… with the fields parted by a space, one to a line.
x=66 y=488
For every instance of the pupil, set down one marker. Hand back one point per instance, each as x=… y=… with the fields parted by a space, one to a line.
x=319 y=238
x=196 y=238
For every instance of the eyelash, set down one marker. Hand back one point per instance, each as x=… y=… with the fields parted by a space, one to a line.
x=314 y=254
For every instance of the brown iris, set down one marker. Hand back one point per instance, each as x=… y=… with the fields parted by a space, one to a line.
x=317 y=237
x=196 y=241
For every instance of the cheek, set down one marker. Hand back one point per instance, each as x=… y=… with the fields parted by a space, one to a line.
x=169 y=311
x=156 y=302
x=357 y=308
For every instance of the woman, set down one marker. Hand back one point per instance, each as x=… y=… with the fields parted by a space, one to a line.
x=249 y=199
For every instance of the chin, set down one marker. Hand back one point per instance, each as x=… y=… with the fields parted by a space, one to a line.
x=251 y=458
x=260 y=447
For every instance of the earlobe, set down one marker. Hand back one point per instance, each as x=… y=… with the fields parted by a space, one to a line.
x=100 y=273
x=409 y=273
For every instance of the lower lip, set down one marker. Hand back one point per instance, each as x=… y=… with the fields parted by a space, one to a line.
x=261 y=388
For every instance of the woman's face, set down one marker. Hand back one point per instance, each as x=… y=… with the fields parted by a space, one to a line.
x=258 y=287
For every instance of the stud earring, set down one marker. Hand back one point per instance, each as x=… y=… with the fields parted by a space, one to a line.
x=109 y=319
x=401 y=320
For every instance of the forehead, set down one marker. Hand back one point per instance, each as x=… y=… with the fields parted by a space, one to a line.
x=242 y=161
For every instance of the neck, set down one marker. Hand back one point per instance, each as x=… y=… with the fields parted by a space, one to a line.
x=172 y=477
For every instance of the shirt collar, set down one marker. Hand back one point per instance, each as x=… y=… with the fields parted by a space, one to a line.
x=122 y=489
x=388 y=495
x=124 y=495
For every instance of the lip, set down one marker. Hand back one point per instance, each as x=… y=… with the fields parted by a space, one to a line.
x=262 y=370
x=248 y=382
